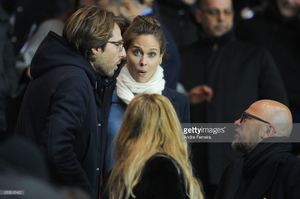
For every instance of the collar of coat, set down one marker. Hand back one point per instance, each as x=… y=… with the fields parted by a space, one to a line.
x=216 y=41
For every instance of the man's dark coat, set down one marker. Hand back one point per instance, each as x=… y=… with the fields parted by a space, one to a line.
x=62 y=113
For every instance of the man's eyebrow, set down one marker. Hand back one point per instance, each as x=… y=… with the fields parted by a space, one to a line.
x=119 y=41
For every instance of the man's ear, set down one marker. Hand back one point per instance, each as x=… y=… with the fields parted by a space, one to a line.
x=269 y=132
x=96 y=50
x=198 y=15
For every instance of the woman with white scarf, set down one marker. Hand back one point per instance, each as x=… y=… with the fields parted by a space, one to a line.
x=145 y=46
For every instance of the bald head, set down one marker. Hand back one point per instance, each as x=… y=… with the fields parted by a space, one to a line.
x=274 y=112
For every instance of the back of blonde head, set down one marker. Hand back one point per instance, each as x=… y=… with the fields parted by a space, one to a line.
x=150 y=126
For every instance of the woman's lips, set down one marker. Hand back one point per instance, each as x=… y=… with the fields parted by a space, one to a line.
x=142 y=71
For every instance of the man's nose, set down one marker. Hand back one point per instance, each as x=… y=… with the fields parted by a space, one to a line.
x=237 y=122
x=123 y=53
x=221 y=16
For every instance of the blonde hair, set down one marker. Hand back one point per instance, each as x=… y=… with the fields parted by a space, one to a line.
x=150 y=126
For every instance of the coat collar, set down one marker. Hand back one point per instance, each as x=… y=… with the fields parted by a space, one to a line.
x=259 y=169
x=216 y=42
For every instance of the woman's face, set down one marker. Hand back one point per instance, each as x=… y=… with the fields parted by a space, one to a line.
x=143 y=57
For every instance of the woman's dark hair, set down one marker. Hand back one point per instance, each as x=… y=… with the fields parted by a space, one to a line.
x=145 y=25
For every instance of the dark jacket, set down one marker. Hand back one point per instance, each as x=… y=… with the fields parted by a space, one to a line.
x=161 y=178
x=269 y=171
x=28 y=14
x=63 y=114
x=179 y=18
x=118 y=107
x=8 y=73
x=180 y=104
x=281 y=36
x=239 y=74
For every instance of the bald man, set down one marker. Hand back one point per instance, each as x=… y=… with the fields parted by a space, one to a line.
x=267 y=169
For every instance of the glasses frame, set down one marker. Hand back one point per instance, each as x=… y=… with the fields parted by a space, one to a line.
x=118 y=44
x=248 y=115
x=217 y=12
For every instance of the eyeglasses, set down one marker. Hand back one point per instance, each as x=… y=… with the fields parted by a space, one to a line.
x=118 y=44
x=217 y=12
x=246 y=115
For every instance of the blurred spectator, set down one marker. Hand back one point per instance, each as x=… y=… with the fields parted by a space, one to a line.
x=178 y=17
x=171 y=61
x=8 y=78
x=102 y=3
x=40 y=19
x=227 y=75
x=109 y=5
x=23 y=170
x=21 y=157
x=26 y=15
x=60 y=11
x=278 y=29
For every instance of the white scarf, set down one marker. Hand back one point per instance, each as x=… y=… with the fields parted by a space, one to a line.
x=127 y=87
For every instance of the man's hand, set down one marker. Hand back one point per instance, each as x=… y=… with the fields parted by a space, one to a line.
x=200 y=93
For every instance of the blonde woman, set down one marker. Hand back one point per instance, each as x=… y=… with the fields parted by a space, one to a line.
x=152 y=159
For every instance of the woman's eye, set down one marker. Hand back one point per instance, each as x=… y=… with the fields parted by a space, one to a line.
x=152 y=54
x=136 y=53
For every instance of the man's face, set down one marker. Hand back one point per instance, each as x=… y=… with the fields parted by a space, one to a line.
x=249 y=131
x=216 y=17
x=289 y=8
x=107 y=60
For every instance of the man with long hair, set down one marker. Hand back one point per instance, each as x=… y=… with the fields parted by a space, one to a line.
x=65 y=105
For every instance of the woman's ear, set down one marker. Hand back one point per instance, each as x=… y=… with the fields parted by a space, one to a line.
x=161 y=58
